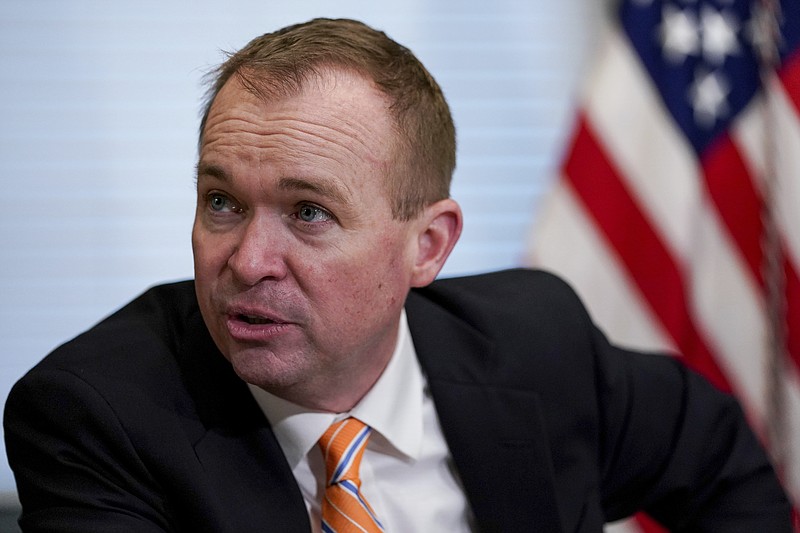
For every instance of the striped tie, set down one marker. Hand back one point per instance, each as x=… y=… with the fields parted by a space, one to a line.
x=344 y=509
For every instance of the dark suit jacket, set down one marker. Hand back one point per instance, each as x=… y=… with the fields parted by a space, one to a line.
x=141 y=425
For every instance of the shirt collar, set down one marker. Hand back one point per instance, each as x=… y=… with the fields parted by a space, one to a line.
x=392 y=407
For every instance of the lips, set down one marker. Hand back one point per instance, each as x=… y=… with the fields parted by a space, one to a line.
x=252 y=325
x=255 y=314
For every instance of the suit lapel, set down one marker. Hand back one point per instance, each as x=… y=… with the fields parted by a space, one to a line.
x=239 y=453
x=495 y=435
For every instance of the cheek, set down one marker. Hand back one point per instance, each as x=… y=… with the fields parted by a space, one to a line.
x=376 y=280
x=343 y=287
x=198 y=246
x=210 y=254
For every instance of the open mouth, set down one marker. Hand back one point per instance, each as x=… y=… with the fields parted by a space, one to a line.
x=255 y=320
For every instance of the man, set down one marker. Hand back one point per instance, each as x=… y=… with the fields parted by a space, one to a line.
x=488 y=403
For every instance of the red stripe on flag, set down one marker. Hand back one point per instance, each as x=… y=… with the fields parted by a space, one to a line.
x=646 y=258
x=739 y=203
x=789 y=75
x=647 y=525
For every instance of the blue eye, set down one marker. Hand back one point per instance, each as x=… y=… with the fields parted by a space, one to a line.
x=312 y=213
x=217 y=202
x=221 y=203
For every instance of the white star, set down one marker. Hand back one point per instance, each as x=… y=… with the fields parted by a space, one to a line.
x=708 y=95
x=719 y=35
x=679 y=34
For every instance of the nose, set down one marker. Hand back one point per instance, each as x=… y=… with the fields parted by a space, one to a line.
x=261 y=252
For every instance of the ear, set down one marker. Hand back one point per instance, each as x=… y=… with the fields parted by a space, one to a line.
x=438 y=231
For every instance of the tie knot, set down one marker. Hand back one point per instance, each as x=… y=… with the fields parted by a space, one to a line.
x=342 y=447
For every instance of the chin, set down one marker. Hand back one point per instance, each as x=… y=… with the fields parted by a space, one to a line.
x=263 y=369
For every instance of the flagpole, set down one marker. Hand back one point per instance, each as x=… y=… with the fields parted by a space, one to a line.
x=767 y=40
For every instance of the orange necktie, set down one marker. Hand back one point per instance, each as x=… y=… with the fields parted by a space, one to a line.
x=344 y=509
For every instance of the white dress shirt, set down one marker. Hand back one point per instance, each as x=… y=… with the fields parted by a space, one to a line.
x=406 y=473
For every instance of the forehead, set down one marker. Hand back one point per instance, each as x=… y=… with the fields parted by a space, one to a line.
x=333 y=107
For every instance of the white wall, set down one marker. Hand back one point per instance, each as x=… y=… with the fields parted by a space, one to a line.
x=98 y=115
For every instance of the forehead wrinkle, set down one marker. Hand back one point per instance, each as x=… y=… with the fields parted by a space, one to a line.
x=344 y=97
x=308 y=128
x=278 y=135
x=332 y=122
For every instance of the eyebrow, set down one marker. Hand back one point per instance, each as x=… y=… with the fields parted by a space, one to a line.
x=212 y=171
x=326 y=189
x=323 y=188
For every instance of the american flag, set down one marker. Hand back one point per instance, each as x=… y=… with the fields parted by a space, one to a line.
x=676 y=214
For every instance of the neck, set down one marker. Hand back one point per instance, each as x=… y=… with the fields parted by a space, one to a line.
x=327 y=394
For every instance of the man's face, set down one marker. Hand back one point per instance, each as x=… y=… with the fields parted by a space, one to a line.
x=301 y=270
